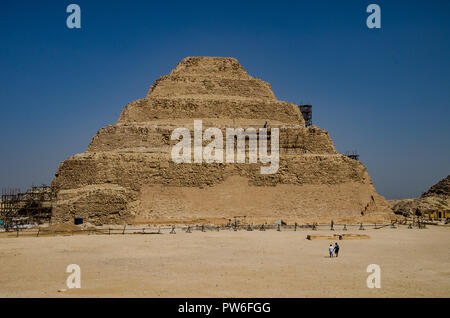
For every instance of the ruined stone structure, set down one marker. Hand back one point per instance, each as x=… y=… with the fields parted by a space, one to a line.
x=127 y=175
x=433 y=203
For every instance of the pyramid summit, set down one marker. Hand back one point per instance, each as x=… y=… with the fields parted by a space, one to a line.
x=210 y=87
x=127 y=175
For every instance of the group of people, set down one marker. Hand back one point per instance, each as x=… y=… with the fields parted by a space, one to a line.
x=334 y=250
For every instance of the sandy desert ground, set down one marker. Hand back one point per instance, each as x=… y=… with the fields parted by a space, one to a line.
x=414 y=263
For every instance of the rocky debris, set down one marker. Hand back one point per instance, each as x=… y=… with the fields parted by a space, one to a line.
x=441 y=189
x=437 y=198
x=335 y=237
x=60 y=228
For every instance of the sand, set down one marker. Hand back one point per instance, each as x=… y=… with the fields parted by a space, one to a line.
x=414 y=263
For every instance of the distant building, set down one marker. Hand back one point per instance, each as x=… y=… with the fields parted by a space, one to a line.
x=439 y=214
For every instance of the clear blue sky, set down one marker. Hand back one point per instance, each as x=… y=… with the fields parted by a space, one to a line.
x=384 y=92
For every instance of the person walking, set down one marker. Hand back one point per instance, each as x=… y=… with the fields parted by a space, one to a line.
x=336 y=249
x=331 y=250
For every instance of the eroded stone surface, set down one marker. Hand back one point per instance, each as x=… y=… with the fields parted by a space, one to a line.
x=127 y=175
x=436 y=199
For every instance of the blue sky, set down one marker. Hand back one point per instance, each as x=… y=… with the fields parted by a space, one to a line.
x=384 y=92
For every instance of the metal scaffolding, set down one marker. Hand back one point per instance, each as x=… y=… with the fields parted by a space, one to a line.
x=34 y=206
x=352 y=155
x=306 y=111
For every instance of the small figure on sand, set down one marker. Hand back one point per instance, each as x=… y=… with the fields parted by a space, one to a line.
x=336 y=249
x=331 y=249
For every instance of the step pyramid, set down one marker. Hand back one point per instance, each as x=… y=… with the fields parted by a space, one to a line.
x=127 y=174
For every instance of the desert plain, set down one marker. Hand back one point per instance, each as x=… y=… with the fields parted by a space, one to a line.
x=414 y=263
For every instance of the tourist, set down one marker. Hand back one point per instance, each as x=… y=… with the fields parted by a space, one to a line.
x=331 y=250
x=336 y=249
